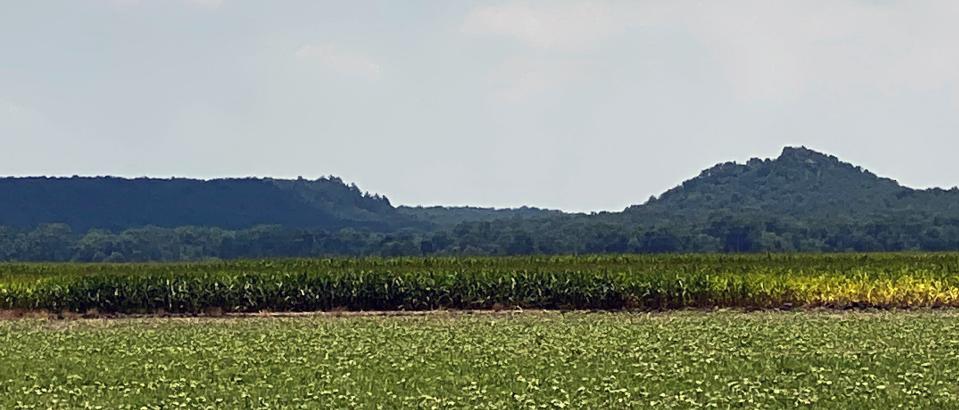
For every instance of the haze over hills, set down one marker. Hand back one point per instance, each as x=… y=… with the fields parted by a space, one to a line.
x=801 y=201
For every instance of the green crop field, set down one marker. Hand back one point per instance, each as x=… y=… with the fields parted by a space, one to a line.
x=905 y=280
x=899 y=347
x=823 y=359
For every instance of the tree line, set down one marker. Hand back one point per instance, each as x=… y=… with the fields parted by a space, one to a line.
x=58 y=242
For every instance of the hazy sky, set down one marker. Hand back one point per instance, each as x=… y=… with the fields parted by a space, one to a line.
x=572 y=105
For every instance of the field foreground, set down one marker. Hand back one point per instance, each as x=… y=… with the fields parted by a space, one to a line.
x=525 y=360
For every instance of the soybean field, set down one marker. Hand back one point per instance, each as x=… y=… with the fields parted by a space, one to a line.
x=551 y=360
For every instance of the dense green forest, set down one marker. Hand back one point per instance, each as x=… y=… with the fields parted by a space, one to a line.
x=801 y=201
x=111 y=203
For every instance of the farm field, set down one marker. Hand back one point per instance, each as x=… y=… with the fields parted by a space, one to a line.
x=904 y=280
x=682 y=359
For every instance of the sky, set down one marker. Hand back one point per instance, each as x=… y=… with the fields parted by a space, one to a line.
x=580 y=106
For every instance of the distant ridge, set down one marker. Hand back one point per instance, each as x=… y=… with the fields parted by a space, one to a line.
x=115 y=203
x=803 y=200
x=120 y=203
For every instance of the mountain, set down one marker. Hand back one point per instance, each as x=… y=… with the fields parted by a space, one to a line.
x=118 y=203
x=802 y=200
x=801 y=184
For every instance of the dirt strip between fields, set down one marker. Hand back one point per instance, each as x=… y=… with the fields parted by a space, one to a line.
x=93 y=315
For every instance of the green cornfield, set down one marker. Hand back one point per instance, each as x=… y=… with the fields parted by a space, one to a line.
x=906 y=280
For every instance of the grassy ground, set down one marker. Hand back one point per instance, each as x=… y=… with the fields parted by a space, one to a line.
x=542 y=360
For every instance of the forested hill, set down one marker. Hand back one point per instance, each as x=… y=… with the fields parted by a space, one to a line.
x=801 y=184
x=118 y=203
x=802 y=200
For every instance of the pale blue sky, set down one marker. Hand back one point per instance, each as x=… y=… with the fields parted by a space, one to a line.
x=571 y=105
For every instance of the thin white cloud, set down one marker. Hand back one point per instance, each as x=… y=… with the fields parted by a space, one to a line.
x=18 y=119
x=554 y=25
x=782 y=49
x=206 y=4
x=562 y=27
x=202 y=4
x=341 y=60
x=519 y=80
x=15 y=113
x=125 y=3
x=765 y=50
x=9 y=109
